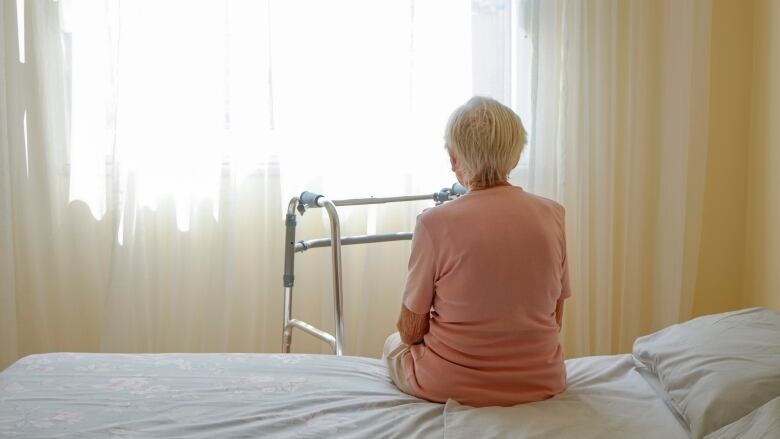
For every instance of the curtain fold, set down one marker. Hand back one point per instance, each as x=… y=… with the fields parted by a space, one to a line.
x=52 y=258
x=9 y=59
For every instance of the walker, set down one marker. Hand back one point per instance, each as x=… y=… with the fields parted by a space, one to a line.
x=313 y=200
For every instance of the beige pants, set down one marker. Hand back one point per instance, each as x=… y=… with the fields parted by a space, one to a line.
x=393 y=355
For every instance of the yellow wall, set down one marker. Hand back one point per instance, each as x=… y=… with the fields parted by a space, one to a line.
x=762 y=261
x=739 y=256
x=720 y=276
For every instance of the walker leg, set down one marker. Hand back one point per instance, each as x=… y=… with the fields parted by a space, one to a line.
x=338 y=304
x=289 y=274
x=287 y=329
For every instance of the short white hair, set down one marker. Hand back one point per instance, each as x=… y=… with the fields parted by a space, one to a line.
x=486 y=138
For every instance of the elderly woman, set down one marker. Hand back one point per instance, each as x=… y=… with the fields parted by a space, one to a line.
x=487 y=279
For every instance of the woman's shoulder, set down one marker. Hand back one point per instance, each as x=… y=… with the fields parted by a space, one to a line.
x=442 y=211
x=546 y=202
x=477 y=205
x=518 y=196
x=433 y=214
x=439 y=217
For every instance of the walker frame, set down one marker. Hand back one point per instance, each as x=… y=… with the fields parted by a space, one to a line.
x=308 y=200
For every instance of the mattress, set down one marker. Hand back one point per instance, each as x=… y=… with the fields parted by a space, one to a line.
x=301 y=396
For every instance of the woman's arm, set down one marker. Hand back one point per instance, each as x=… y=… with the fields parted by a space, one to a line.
x=412 y=327
x=420 y=287
x=559 y=313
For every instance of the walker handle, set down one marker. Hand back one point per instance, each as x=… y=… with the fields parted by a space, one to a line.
x=458 y=189
x=310 y=199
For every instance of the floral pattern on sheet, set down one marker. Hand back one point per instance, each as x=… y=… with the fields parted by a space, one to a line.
x=58 y=418
x=207 y=395
x=325 y=425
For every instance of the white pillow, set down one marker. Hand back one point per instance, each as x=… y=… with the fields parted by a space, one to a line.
x=763 y=422
x=717 y=368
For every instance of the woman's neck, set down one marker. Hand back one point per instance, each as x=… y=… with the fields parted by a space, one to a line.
x=479 y=188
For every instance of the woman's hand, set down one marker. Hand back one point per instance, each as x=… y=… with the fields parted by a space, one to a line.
x=412 y=327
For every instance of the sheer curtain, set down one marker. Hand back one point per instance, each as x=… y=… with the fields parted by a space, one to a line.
x=150 y=148
x=147 y=150
x=210 y=123
x=619 y=136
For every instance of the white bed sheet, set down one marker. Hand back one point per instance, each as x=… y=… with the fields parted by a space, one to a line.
x=208 y=396
x=606 y=397
x=301 y=396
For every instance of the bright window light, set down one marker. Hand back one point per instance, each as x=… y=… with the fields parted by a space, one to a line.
x=346 y=96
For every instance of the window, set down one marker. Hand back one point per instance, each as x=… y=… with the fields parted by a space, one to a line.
x=170 y=97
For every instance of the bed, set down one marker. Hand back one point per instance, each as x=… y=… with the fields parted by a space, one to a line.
x=312 y=396
x=251 y=395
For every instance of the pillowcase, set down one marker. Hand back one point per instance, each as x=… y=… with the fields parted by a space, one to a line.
x=763 y=422
x=717 y=368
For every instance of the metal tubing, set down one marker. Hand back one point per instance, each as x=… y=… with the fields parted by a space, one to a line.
x=305 y=327
x=372 y=200
x=444 y=194
x=301 y=246
x=338 y=305
x=288 y=278
x=289 y=244
x=286 y=328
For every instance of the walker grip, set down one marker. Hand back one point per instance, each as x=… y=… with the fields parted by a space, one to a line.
x=449 y=193
x=310 y=199
x=458 y=189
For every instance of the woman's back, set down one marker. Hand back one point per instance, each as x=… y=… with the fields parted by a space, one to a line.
x=492 y=264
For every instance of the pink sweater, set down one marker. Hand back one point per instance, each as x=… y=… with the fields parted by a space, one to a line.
x=491 y=265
